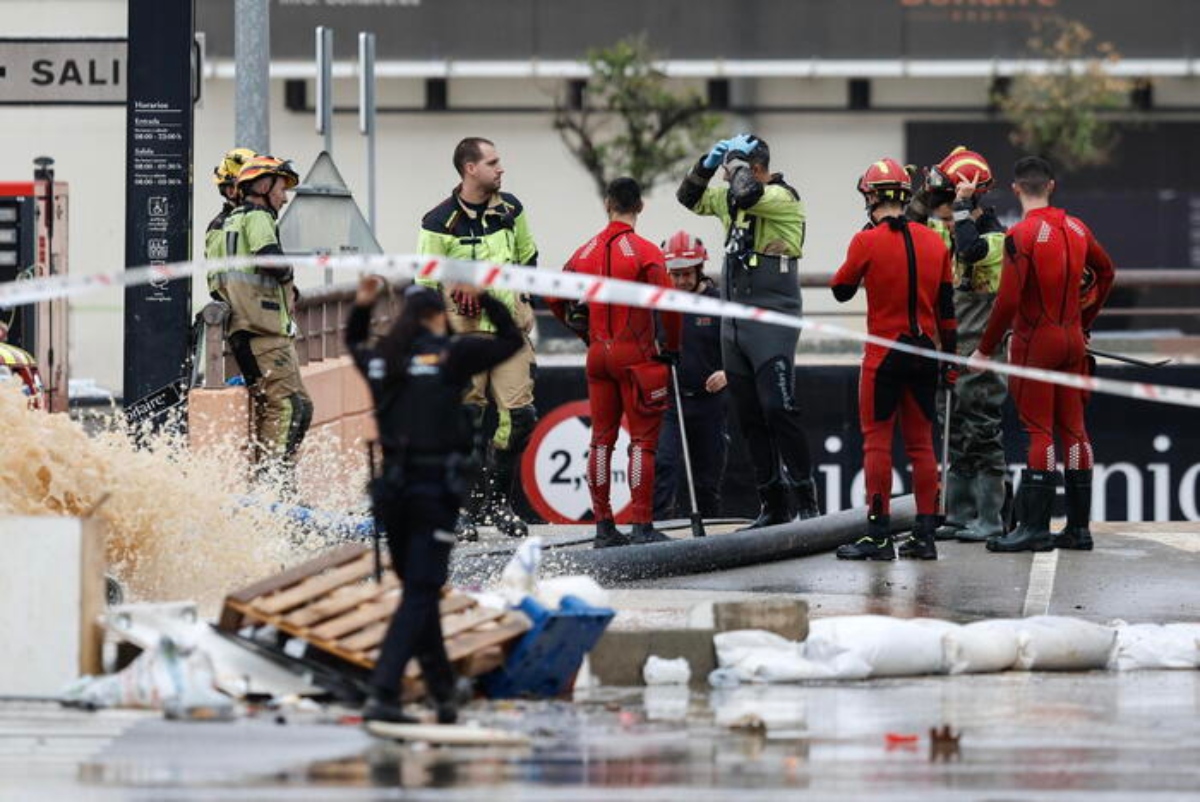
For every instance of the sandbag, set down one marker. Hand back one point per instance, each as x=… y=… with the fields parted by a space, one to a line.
x=754 y=655
x=661 y=671
x=166 y=677
x=1058 y=643
x=889 y=647
x=1155 y=646
x=982 y=647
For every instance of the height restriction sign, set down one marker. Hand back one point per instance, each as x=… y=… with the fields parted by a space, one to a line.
x=554 y=467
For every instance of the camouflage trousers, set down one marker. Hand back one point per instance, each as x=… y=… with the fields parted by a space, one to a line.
x=976 y=434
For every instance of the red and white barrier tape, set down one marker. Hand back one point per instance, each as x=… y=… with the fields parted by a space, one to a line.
x=558 y=284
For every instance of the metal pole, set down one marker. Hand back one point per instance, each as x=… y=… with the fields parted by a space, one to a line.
x=1128 y=360
x=696 y=518
x=252 y=53
x=325 y=85
x=366 y=113
x=945 y=452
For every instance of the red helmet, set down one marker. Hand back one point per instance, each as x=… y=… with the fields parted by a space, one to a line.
x=682 y=251
x=887 y=180
x=961 y=165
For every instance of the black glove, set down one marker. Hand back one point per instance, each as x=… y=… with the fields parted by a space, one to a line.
x=670 y=358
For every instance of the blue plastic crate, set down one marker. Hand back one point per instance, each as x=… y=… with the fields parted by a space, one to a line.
x=546 y=659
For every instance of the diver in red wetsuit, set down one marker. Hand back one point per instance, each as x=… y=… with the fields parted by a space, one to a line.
x=1045 y=258
x=626 y=372
x=906 y=271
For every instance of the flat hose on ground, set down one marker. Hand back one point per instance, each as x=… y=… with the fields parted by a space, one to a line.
x=697 y=555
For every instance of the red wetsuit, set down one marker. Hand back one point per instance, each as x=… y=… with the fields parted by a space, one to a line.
x=906 y=271
x=1044 y=257
x=620 y=337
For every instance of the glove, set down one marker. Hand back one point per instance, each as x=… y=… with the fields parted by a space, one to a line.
x=577 y=319
x=669 y=358
x=949 y=375
x=742 y=143
x=714 y=157
x=466 y=304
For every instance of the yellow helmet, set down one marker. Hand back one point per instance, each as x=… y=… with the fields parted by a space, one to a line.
x=225 y=173
x=261 y=166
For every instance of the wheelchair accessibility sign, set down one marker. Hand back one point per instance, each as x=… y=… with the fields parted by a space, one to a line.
x=554 y=467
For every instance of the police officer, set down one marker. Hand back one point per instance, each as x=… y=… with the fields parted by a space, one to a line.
x=262 y=328
x=764 y=222
x=975 y=486
x=702 y=386
x=479 y=222
x=225 y=177
x=418 y=373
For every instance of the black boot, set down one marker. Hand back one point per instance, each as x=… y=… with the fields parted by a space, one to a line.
x=804 y=497
x=960 y=504
x=464 y=527
x=381 y=707
x=607 y=536
x=646 y=533
x=500 y=512
x=989 y=505
x=1034 y=500
x=1077 y=535
x=774 y=507
x=875 y=545
x=921 y=545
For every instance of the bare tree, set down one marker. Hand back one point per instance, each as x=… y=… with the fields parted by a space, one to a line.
x=631 y=122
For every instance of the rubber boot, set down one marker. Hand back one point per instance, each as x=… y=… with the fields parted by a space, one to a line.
x=500 y=511
x=921 y=545
x=607 y=536
x=443 y=694
x=960 y=504
x=1034 y=500
x=774 y=508
x=989 y=502
x=646 y=533
x=465 y=529
x=1077 y=535
x=875 y=545
x=804 y=500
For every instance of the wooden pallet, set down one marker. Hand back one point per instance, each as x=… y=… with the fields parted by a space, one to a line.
x=334 y=604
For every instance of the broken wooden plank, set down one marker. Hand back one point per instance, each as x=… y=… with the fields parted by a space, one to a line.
x=341 y=601
x=335 y=628
x=462 y=622
x=311 y=588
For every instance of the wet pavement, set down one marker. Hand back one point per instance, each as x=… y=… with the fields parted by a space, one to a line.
x=1023 y=736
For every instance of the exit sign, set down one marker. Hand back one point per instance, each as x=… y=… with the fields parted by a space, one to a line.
x=63 y=72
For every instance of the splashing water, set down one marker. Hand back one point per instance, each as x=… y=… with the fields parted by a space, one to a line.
x=181 y=525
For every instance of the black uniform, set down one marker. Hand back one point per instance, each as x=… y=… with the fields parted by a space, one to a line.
x=704 y=418
x=427 y=437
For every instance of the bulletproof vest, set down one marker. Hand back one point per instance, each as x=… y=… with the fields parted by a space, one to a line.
x=424 y=415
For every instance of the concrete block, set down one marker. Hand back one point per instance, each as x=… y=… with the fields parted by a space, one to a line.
x=785 y=617
x=51 y=598
x=356 y=395
x=324 y=383
x=619 y=656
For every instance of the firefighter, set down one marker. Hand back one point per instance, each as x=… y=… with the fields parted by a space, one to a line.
x=418 y=373
x=627 y=373
x=262 y=326
x=702 y=387
x=225 y=177
x=1046 y=256
x=479 y=222
x=975 y=487
x=764 y=223
x=906 y=271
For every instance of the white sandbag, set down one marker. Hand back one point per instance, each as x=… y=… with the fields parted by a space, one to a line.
x=1155 y=646
x=982 y=647
x=660 y=671
x=164 y=677
x=890 y=647
x=550 y=592
x=1059 y=643
x=754 y=655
